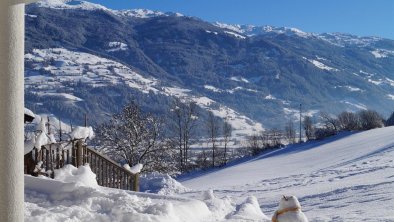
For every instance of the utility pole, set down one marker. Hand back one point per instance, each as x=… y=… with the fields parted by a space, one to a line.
x=60 y=129
x=300 y=122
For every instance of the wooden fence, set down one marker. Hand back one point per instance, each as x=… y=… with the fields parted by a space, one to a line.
x=55 y=156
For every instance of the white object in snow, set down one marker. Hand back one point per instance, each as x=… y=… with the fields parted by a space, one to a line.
x=289 y=211
x=82 y=133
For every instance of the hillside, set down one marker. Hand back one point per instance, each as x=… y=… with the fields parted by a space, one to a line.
x=259 y=73
x=345 y=178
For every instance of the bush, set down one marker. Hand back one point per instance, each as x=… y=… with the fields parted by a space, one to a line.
x=390 y=120
x=349 y=121
x=321 y=133
x=370 y=119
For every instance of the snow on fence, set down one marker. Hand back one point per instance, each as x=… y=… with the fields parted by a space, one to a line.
x=54 y=156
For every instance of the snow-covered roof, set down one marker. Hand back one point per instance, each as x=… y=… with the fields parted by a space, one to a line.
x=29 y=115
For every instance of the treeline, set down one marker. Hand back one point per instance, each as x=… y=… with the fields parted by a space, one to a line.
x=163 y=143
x=169 y=144
x=345 y=121
x=327 y=125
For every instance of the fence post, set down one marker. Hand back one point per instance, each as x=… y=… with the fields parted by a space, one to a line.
x=79 y=153
x=136 y=182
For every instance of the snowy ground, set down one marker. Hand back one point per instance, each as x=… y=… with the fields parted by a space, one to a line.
x=75 y=196
x=346 y=178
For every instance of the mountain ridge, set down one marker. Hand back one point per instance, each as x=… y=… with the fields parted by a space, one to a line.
x=264 y=77
x=248 y=29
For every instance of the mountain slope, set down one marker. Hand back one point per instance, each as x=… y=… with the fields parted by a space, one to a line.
x=279 y=67
x=344 y=178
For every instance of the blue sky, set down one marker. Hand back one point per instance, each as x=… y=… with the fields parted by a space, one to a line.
x=360 y=17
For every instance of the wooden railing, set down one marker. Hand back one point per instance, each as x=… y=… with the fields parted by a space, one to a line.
x=55 y=156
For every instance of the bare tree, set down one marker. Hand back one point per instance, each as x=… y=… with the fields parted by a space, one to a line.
x=329 y=121
x=370 y=119
x=275 y=137
x=265 y=138
x=184 y=117
x=133 y=137
x=254 y=144
x=213 y=131
x=290 y=132
x=202 y=159
x=349 y=121
x=308 y=127
x=227 y=130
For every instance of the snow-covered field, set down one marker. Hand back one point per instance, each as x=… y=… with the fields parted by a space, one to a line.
x=349 y=177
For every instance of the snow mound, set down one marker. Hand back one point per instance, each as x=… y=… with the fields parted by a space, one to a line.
x=220 y=207
x=170 y=186
x=249 y=210
x=49 y=200
x=208 y=195
x=81 y=176
x=161 y=184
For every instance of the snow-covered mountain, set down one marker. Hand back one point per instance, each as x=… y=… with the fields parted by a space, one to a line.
x=251 y=30
x=70 y=4
x=88 y=58
x=54 y=73
x=88 y=6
